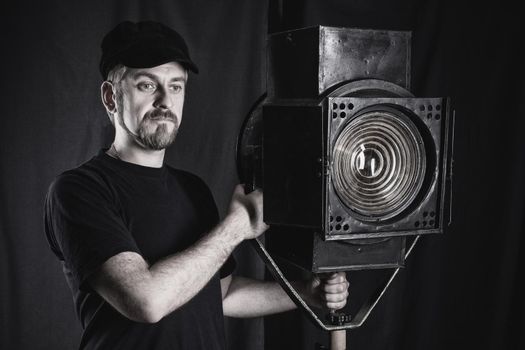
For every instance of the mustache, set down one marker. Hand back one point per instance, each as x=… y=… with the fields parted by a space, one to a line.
x=160 y=114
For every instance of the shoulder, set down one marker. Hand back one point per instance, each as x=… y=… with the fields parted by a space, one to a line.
x=89 y=177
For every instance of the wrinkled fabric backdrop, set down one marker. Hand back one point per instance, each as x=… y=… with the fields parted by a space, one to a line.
x=459 y=290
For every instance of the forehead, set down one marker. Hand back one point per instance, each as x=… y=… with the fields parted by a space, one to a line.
x=169 y=71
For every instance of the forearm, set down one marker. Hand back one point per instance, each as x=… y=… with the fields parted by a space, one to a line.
x=176 y=279
x=254 y=298
x=147 y=293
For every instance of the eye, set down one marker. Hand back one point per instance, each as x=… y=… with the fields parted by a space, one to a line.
x=146 y=86
x=176 y=88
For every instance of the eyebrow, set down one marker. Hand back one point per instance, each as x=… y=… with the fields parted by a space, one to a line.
x=139 y=74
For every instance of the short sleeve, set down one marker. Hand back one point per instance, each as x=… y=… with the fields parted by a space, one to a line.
x=83 y=225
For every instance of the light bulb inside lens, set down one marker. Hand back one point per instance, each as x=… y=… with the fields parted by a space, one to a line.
x=368 y=162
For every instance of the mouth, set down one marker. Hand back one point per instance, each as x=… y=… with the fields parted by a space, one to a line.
x=161 y=116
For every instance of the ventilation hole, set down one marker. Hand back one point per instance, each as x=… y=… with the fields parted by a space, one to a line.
x=425 y=214
x=331 y=218
x=331 y=228
x=334 y=115
x=346 y=227
x=438 y=116
x=424 y=223
x=342 y=115
x=431 y=222
x=438 y=107
x=338 y=218
x=429 y=115
x=421 y=108
x=337 y=227
x=432 y=214
x=416 y=224
x=342 y=106
x=334 y=106
x=350 y=106
x=429 y=107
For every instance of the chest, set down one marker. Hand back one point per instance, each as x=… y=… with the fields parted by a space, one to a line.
x=164 y=217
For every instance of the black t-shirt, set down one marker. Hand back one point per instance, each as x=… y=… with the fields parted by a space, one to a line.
x=107 y=206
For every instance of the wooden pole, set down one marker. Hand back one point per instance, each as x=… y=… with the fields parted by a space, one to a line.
x=338 y=340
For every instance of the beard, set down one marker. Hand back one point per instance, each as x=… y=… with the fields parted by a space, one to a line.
x=154 y=135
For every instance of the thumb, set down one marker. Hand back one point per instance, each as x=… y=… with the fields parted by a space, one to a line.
x=239 y=189
x=315 y=281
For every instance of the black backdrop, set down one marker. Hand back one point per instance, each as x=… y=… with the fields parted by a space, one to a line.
x=459 y=290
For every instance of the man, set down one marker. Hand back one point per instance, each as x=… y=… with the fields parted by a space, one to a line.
x=143 y=250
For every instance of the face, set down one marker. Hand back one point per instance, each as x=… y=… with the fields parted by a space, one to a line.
x=150 y=104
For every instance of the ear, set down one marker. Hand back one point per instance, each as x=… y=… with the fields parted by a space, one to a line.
x=107 y=93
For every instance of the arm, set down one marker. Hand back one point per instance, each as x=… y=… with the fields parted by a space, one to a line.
x=147 y=293
x=243 y=297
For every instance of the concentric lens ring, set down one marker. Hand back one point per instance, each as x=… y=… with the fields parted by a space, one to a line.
x=378 y=164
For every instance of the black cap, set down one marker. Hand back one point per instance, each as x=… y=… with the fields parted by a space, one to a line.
x=143 y=45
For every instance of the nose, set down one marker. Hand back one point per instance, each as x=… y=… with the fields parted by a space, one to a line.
x=163 y=100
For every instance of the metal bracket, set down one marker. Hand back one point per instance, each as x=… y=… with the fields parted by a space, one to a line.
x=361 y=315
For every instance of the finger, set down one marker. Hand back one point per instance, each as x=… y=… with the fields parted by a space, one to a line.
x=335 y=298
x=336 y=306
x=336 y=279
x=335 y=288
x=333 y=275
x=257 y=196
x=239 y=189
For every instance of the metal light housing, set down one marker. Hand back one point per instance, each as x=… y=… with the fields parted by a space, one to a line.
x=349 y=160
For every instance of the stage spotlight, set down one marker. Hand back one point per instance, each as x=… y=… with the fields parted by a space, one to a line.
x=350 y=162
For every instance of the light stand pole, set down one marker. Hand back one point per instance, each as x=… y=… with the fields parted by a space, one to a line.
x=338 y=340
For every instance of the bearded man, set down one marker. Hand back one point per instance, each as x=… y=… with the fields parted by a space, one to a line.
x=143 y=249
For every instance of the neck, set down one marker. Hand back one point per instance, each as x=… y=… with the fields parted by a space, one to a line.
x=129 y=151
